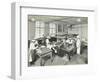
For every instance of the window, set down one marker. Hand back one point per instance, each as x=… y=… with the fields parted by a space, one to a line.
x=52 y=28
x=39 y=25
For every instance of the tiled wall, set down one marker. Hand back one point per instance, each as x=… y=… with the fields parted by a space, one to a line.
x=81 y=29
x=31 y=30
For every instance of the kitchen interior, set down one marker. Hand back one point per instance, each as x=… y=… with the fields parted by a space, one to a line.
x=59 y=27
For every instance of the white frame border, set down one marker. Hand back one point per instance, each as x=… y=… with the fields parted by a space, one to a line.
x=16 y=34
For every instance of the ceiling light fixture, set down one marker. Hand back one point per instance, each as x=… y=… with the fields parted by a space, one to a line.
x=32 y=19
x=78 y=20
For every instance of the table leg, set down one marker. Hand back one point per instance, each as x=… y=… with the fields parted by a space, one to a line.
x=42 y=62
x=51 y=57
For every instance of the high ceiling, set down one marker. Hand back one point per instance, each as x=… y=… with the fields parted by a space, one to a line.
x=59 y=19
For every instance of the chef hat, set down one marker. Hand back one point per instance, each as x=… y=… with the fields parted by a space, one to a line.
x=33 y=40
x=78 y=36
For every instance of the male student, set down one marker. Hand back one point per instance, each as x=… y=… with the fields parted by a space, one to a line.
x=78 y=45
x=32 y=51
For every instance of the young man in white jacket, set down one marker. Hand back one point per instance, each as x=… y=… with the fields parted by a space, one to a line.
x=78 y=45
x=32 y=51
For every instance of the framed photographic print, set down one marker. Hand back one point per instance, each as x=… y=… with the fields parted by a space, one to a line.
x=51 y=42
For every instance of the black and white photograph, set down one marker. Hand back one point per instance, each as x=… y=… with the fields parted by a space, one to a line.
x=52 y=42
x=57 y=40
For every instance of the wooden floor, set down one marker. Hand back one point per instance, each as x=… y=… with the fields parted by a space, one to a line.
x=76 y=59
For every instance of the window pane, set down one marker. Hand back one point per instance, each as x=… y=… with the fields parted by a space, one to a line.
x=37 y=23
x=37 y=32
x=52 y=28
x=42 y=24
x=39 y=29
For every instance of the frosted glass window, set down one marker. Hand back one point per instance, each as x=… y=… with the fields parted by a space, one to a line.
x=39 y=25
x=52 y=28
